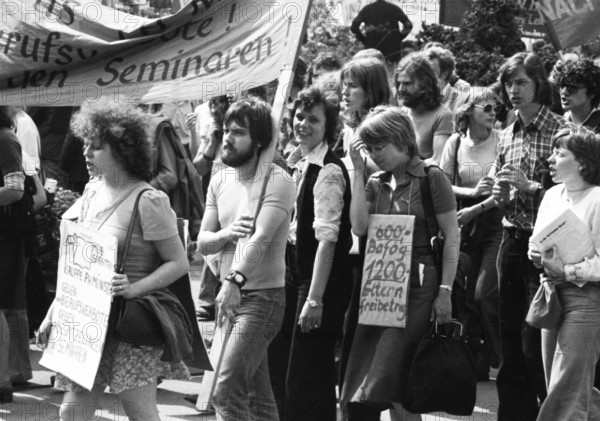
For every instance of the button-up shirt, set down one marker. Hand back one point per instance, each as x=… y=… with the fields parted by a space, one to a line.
x=539 y=132
x=328 y=192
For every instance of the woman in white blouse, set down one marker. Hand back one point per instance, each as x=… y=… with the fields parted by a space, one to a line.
x=319 y=282
x=571 y=350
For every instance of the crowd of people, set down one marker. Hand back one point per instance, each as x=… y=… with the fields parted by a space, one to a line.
x=359 y=138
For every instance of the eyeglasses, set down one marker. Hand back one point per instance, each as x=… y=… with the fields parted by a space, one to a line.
x=487 y=108
x=571 y=88
x=378 y=150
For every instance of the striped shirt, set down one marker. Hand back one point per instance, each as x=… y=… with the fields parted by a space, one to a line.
x=539 y=132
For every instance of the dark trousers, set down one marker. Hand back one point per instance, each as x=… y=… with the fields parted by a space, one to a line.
x=521 y=383
x=302 y=365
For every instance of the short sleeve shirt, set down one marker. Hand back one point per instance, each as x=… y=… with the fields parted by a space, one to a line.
x=406 y=199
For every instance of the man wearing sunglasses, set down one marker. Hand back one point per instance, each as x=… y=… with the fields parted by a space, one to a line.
x=579 y=84
x=521 y=162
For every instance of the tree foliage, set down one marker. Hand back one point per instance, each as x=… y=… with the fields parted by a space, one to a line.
x=488 y=35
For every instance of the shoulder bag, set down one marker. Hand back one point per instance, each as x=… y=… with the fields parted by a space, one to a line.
x=130 y=320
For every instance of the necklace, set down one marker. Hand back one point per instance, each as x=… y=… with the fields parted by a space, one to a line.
x=97 y=203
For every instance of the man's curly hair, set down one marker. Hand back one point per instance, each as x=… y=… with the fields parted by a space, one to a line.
x=123 y=127
x=582 y=72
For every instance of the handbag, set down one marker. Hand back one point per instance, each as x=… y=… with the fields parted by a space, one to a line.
x=442 y=375
x=132 y=322
x=545 y=309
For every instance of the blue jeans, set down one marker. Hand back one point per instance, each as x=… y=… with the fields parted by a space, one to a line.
x=521 y=384
x=243 y=390
x=570 y=354
x=482 y=316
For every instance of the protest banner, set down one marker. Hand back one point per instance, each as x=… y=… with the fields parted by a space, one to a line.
x=570 y=23
x=386 y=272
x=59 y=52
x=82 y=304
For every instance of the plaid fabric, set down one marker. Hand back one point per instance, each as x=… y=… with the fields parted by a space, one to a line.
x=15 y=181
x=522 y=208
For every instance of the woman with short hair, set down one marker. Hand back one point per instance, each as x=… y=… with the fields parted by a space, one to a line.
x=380 y=357
x=570 y=351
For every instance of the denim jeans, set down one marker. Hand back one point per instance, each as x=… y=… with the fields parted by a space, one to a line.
x=482 y=316
x=570 y=354
x=243 y=390
x=521 y=384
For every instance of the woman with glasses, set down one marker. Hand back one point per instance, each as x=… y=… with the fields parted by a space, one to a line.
x=380 y=357
x=466 y=160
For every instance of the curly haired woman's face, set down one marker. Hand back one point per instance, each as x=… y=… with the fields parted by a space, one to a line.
x=99 y=158
x=575 y=97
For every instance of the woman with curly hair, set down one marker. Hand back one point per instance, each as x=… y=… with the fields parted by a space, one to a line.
x=579 y=84
x=119 y=158
x=466 y=160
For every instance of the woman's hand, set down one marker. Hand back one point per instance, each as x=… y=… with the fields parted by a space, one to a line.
x=43 y=336
x=356 y=145
x=553 y=264
x=121 y=287
x=190 y=120
x=239 y=228
x=483 y=187
x=441 y=312
x=466 y=215
x=310 y=317
x=535 y=256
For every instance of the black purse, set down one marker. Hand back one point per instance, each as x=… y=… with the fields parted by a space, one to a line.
x=442 y=375
x=130 y=320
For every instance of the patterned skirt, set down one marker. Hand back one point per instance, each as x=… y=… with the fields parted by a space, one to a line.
x=124 y=367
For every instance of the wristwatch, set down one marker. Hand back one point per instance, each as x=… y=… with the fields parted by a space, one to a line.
x=313 y=303
x=236 y=278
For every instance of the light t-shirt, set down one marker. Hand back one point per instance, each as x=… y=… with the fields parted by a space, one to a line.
x=428 y=124
x=228 y=198
x=474 y=159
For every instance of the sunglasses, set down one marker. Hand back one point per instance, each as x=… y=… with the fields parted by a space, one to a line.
x=487 y=108
x=571 y=88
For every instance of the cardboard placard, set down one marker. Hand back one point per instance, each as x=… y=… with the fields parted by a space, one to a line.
x=82 y=304
x=386 y=272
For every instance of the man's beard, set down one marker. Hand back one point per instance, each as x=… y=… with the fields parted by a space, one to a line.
x=234 y=158
x=411 y=100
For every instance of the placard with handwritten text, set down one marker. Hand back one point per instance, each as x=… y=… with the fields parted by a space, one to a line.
x=82 y=304
x=386 y=272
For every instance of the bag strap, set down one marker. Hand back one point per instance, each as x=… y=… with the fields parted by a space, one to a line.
x=427 y=199
x=431 y=221
x=455 y=171
x=126 y=246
